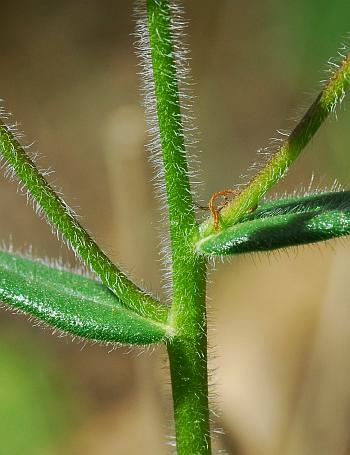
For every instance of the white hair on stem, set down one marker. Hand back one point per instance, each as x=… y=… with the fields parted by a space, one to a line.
x=178 y=26
x=10 y=174
x=275 y=143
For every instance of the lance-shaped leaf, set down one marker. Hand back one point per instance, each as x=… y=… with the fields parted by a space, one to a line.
x=283 y=223
x=72 y=303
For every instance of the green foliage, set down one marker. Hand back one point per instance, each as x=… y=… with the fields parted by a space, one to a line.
x=275 y=168
x=65 y=221
x=72 y=303
x=282 y=223
x=118 y=310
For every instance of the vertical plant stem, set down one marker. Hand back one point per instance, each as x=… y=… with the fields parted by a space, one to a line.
x=189 y=374
x=188 y=349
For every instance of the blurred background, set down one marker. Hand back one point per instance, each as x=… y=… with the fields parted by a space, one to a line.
x=278 y=322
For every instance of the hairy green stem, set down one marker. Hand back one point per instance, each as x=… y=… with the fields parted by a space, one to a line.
x=276 y=167
x=188 y=349
x=64 y=220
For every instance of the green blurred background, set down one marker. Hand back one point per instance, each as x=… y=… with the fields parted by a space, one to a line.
x=278 y=323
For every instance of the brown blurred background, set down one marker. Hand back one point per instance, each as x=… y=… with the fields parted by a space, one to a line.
x=279 y=322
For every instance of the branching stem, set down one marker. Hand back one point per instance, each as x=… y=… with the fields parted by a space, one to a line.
x=276 y=167
x=183 y=327
x=64 y=220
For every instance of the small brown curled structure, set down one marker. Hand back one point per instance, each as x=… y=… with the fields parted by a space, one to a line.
x=227 y=196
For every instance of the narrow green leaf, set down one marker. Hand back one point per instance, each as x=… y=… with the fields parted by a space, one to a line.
x=283 y=223
x=72 y=303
